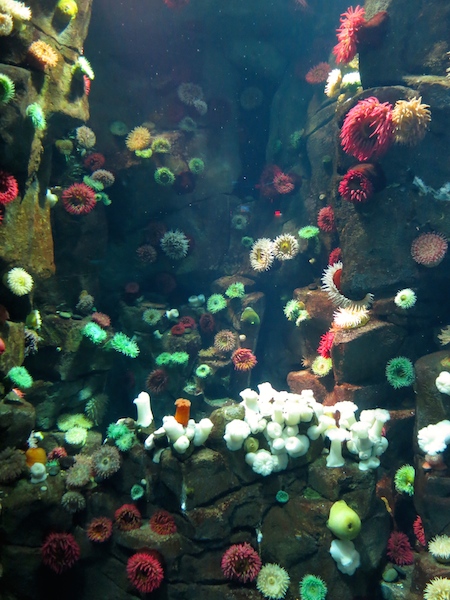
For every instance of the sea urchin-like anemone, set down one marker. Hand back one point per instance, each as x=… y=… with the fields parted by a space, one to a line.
x=404 y=480
x=138 y=139
x=99 y=530
x=273 y=581
x=106 y=461
x=162 y=523
x=399 y=549
x=318 y=73
x=225 y=340
x=145 y=572
x=78 y=199
x=157 y=381
x=405 y=298
x=312 y=587
x=429 y=249
x=175 y=244
x=325 y=219
x=437 y=589
x=127 y=517
x=243 y=359
x=60 y=552
x=18 y=281
x=241 y=563
x=42 y=56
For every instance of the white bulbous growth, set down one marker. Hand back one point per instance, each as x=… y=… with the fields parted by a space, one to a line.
x=346 y=556
x=202 y=430
x=144 y=410
x=181 y=444
x=236 y=432
x=297 y=445
x=336 y=437
x=443 y=382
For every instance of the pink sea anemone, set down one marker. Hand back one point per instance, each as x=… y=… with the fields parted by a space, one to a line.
x=347 y=47
x=335 y=256
x=9 y=188
x=60 y=552
x=283 y=183
x=241 y=562
x=243 y=359
x=419 y=531
x=356 y=187
x=145 y=571
x=318 y=73
x=101 y=319
x=367 y=130
x=162 y=523
x=78 y=199
x=325 y=344
x=325 y=219
x=429 y=249
x=127 y=518
x=399 y=549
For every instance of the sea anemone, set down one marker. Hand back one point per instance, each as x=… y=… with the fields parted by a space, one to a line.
x=145 y=572
x=419 y=531
x=85 y=137
x=175 y=244
x=94 y=161
x=36 y=114
x=400 y=372
x=216 y=303
x=138 y=139
x=410 y=119
x=42 y=56
x=351 y=82
x=105 y=462
x=20 y=377
x=161 y=145
x=429 y=249
x=312 y=587
x=73 y=502
x=405 y=298
x=404 y=480
x=196 y=166
x=19 y=281
x=331 y=281
x=225 y=340
x=146 y=254
x=103 y=176
x=9 y=188
x=325 y=219
x=80 y=474
x=101 y=319
x=335 y=256
x=367 y=130
x=94 y=332
x=283 y=183
x=76 y=436
x=162 y=523
x=292 y=309
x=321 y=366
x=6 y=24
x=125 y=345
x=285 y=247
x=243 y=359
x=7 y=88
x=350 y=318
x=99 y=530
x=261 y=254
x=17 y=10
x=241 y=562
x=83 y=70
x=318 y=73
x=356 y=187
x=178 y=329
x=127 y=517
x=273 y=581
x=207 y=323
x=12 y=465
x=164 y=176
x=309 y=232
x=437 y=589
x=157 y=381
x=189 y=93
x=68 y=420
x=235 y=290
x=347 y=46
x=137 y=492
x=203 y=371
x=325 y=344
x=78 y=199
x=399 y=549
x=60 y=552
x=333 y=84
x=439 y=548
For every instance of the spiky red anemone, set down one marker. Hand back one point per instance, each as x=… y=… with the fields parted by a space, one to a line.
x=367 y=130
x=9 y=188
x=356 y=187
x=241 y=562
x=347 y=46
x=94 y=161
x=157 y=381
x=243 y=359
x=78 y=199
x=145 y=571
x=399 y=549
x=188 y=322
x=60 y=552
x=100 y=530
x=283 y=183
x=325 y=344
x=56 y=453
x=162 y=523
x=318 y=73
x=325 y=219
x=127 y=518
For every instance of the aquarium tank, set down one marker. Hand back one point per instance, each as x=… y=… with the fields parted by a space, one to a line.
x=224 y=300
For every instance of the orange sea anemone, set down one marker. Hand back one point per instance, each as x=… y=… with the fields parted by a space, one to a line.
x=42 y=56
x=138 y=139
x=182 y=412
x=243 y=359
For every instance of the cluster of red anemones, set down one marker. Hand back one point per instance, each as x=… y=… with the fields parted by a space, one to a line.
x=243 y=359
x=265 y=185
x=9 y=188
x=325 y=344
x=145 y=572
x=60 y=551
x=318 y=73
x=241 y=562
x=163 y=523
x=127 y=518
x=101 y=319
x=94 y=161
x=157 y=381
x=78 y=199
x=351 y=21
x=100 y=530
x=325 y=219
x=56 y=453
x=399 y=549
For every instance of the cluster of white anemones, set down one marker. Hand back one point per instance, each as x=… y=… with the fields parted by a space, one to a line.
x=264 y=251
x=289 y=422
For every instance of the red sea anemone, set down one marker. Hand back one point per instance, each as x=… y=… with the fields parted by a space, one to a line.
x=243 y=359
x=78 y=199
x=101 y=319
x=157 y=381
x=419 y=531
x=399 y=549
x=325 y=344
x=99 y=530
x=178 y=329
x=325 y=219
x=127 y=518
x=318 y=74
x=265 y=185
x=94 y=161
x=283 y=183
x=60 y=552
x=162 y=523
x=146 y=254
x=145 y=572
x=9 y=188
x=241 y=563
x=367 y=130
x=347 y=47
x=356 y=187
x=188 y=322
x=56 y=453
x=429 y=249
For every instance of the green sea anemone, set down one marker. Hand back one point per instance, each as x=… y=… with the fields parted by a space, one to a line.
x=20 y=377
x=247 y=241
x=400 y=372
x=83 y=67
x=163 y=359
x=292 y=309
x=405 y=298
x=146 y=153
x=96 y=185
x=203 y=371
x=94 y=332
x=179 y=358
x=126 y=442
x=216 y=303
x=36 y=115
x=312 y=588
x=137 y=492
x=66 y=10
x=321 y=366
x=250 y=316
x=7 y=88
x=151 y=316
x=404 y=480
x=235 y=290
x=164 y=176
x=116 y=430
x=122 y=343
x=161 y=145
x=196 y=166
x=309 y=232
x=303 y=316
x=282 y=497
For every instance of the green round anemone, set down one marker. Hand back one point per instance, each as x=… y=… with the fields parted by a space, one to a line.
x=235 y=290
x=203 y=371
x=122 y=343
x=137 y=492
x=216 y=303
x=146 y=153
x=400 y=372
x=405 y=298
x=309 y=232
x=312 y=588
x=36 y=115
x=126 y=442
x=292 y=309
x=164 y=176
x=247 y=241
x=196 y=166
x=103 y=197
x=161 y=145
x=404 y=480
x=94 y=332
x=20 y=377
x=179 y=358
x=282 y=497
x=151 y=316
x=163 y=359
x=7 y=88
x=321 y=366
x=116 y=430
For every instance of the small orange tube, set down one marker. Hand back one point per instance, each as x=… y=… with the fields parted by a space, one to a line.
x=183 y=410
x=35 y=455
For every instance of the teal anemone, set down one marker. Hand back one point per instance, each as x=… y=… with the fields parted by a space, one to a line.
x=7 y=88
x=164 y=176
x=400 y=372
x=282 y=497
x=36 y=115
x=312 y=588
x=196 y=166
x=137 y=491
x=235 y=290
x=405 y=298
x=203 y=371
x=94 y=332
x=20 y=377
x=216 y=303
x=309 y=232
x=123 y=344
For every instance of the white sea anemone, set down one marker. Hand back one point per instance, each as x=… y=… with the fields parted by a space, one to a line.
x=285 y=246
x=349 y=318
x=405 y=298
x=19 y=281
x=273 y=581
x=329 y=286
x=437 y=589
x=333 y=84
x=439 y=548
x=17 y=10
x=261 y=254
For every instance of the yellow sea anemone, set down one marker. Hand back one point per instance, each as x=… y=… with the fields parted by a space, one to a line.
x=138 y=139
x=437 y=589
x=273 y=581
x=439 y=548
x=42 y=55
x=411 y=119
x=68 y=421
x=76 y=436
x=19 y=281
